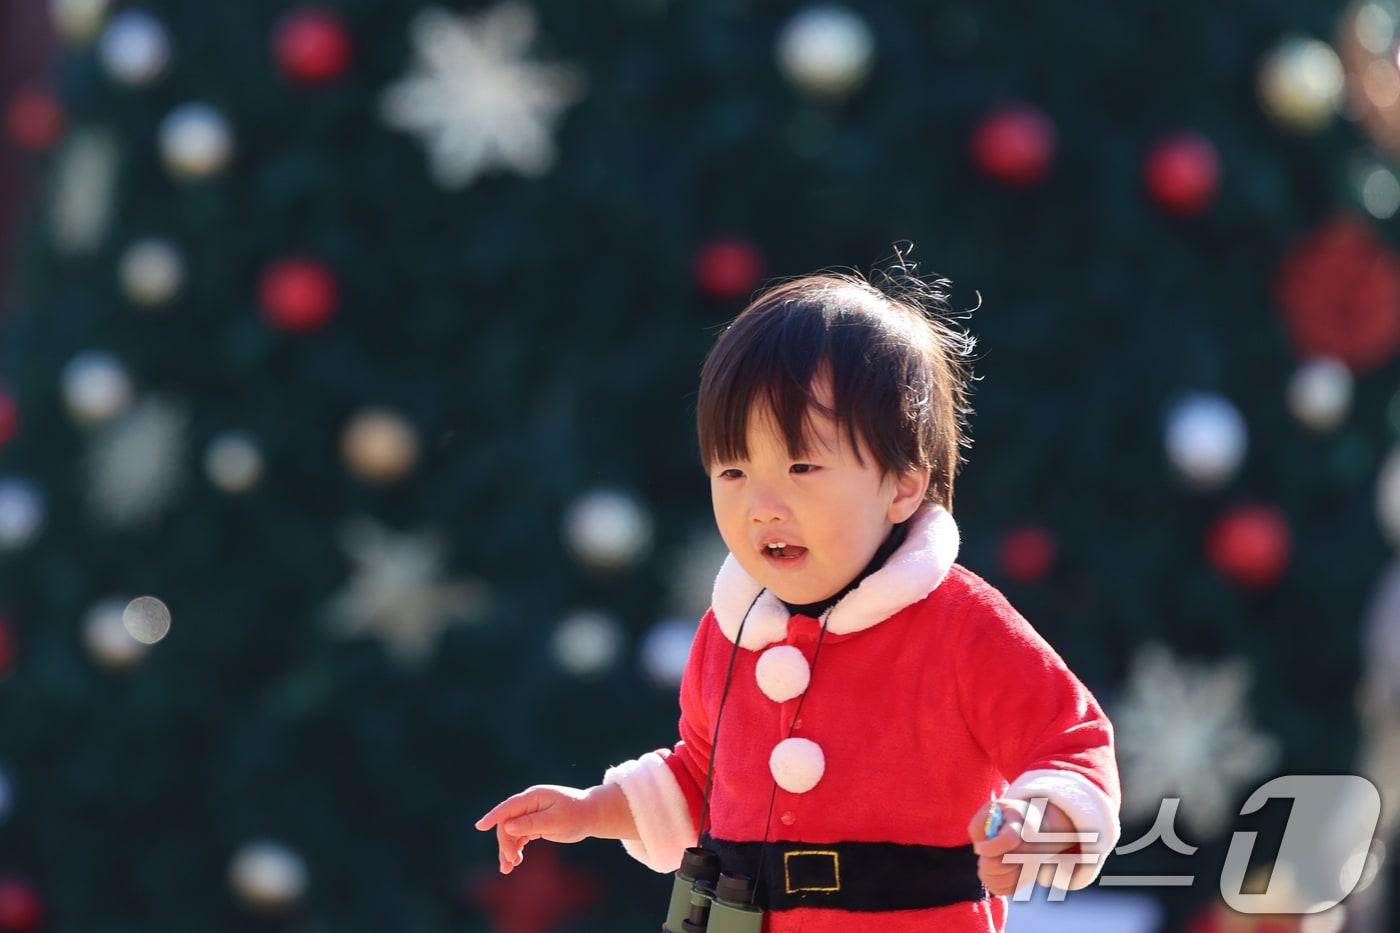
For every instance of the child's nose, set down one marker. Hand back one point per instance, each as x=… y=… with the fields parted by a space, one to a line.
x=767 y=507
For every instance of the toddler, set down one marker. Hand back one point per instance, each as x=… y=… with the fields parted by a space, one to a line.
x=855 y=704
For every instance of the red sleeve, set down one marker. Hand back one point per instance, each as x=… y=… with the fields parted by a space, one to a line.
x=1040 y=726
x=690 y=758
x=664 y=788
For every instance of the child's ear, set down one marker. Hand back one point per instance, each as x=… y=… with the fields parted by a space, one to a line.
x=909 y=490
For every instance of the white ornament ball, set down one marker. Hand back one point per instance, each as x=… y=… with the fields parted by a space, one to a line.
x=1206 y=439
x=106 y=638
x=826 y=50
x=152 y=272
x=96 y=387
x=195 y=141
x=147 y=619
x=1319 y=394
x=1301 y=83
x=21 y=512
x=587 y=643
x=782 y=673
x=1376 y=186
x=797 y=765
x=135 y=48
x=665 y=650
x=695 y=562
x=1388 y=496
x=78 y=21
x=608 y=529
x=233 y=462
x=379 y=446
x=268 y=876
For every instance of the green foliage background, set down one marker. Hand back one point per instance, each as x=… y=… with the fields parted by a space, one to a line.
x=544 y=336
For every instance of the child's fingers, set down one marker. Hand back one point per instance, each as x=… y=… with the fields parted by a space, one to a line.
x=517 y=803
x=534 y=825
x=994 y=867
x=1003 y=842
x=527 y=801
x=998 y=878
x=511 y=850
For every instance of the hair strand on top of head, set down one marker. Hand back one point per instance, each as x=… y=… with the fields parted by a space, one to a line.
x=899 y=369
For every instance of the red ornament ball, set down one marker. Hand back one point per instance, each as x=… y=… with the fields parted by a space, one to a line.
x=1027 y=553
x=311 y=45
x=298 y=295
x=1015 y=145
x=9 y=651
x=542 y=894
x=1250 y=545
x=1183 y=173
x=21 y=911
x=33 y=119
x=1340 y=293
x=9 y=418
x=728 y=268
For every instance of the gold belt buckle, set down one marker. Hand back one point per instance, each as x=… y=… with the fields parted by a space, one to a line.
x=835 y=870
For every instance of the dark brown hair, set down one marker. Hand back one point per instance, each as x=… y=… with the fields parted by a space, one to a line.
x=899 y=372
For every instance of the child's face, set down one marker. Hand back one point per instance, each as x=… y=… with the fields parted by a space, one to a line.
x=833 y=511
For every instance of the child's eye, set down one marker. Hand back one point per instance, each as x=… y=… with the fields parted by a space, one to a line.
x=725 y=474
x=804 y=467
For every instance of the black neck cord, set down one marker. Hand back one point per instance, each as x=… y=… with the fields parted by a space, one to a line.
x=719 y=717
x=773 y=797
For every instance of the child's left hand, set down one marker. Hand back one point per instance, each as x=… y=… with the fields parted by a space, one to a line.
x=1004 y=878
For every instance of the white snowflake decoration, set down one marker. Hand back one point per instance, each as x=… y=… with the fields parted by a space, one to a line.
x=396 y=591
x=135 y=464
x=1183 y=731
x=474 y=99
x=83 y=186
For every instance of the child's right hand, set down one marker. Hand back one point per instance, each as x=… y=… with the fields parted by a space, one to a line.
x=545 y=811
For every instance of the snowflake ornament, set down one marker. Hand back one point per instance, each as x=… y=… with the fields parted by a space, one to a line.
x=1183 y=731
x=474 y=99
x=396 y=592
x=135 y=464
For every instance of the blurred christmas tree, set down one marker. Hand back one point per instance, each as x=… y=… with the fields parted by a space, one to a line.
x=362 y=339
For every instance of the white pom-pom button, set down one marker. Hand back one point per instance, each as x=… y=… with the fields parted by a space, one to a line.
x=797 y=765
x=782 y=673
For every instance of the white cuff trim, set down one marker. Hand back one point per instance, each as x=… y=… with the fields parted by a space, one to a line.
x=658 y=808
x=1088 y=807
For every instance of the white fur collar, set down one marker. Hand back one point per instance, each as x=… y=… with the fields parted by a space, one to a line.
x=913 y=571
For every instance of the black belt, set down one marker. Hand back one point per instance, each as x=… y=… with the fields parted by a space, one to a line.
x=867 y=876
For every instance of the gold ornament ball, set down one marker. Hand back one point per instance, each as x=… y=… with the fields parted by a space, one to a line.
x=151 y=272
x=1319 y=394
x=1366 y=41
x=380 y=446
x=233 y=462
x=1301 y=84
x=78 y=21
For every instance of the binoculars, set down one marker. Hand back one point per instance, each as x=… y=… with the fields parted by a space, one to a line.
x=704 y=898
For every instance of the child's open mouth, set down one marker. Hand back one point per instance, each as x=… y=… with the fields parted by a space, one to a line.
x=786 y=557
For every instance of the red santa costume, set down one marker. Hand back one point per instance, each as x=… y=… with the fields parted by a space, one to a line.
x=930 y=696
